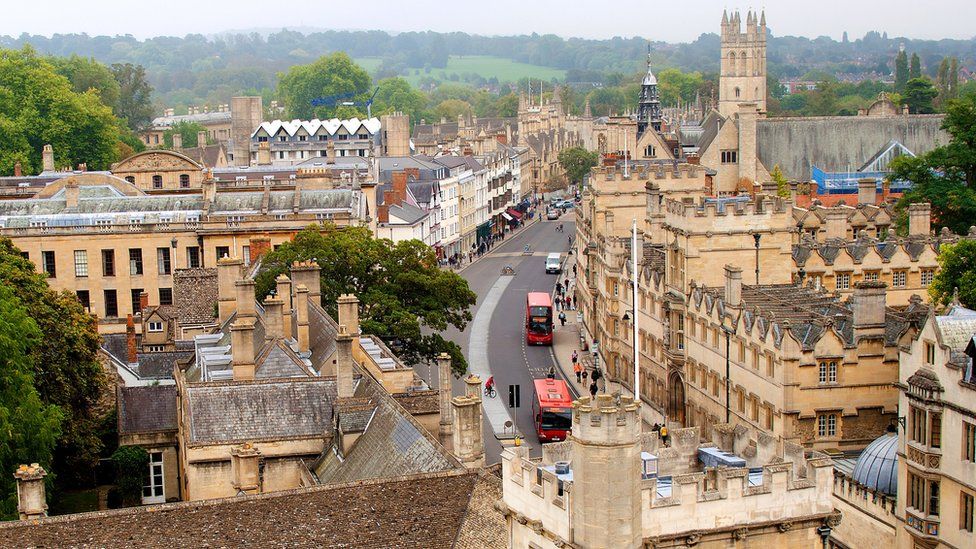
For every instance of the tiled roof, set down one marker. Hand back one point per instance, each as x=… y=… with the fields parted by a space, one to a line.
x=419 y=402
x=232 y=411
x=421 y=512
x=147 y=409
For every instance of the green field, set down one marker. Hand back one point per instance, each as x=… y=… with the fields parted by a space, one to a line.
x=485 y=66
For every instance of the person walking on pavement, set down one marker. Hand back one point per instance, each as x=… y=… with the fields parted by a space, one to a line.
x=569 y=302
x=578 y=368
x=584 y=375
x=593 y=390
x=566 y=284
x=559 y=287
x=575 y=357
x=574 y=270
x=562 y=318
x=559 y=302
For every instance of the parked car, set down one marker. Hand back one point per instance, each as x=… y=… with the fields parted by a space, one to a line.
x=553 y=213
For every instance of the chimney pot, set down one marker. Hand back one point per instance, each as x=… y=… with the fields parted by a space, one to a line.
x=867 y=191
x=919 y=219
x=31 y=498
x=130 y=340
x=733 y=286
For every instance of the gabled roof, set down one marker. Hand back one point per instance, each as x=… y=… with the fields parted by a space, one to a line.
x=315 y=126
x=149 y=409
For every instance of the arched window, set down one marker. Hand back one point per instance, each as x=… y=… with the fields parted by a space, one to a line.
x=184 y=181
x=650 y=152
x=737 y=92
x=157 y=181
x=732 y=67
x=130 y=179
x=743 y=68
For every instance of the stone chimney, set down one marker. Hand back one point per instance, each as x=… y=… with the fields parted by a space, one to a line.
x=301 y=317
x=869 y=309
x=201 y=139
x=273 y=320
x=177 y=141
x=264 y=153
x=242 y=348
x=307 y=273
x=245 y=298
x=605 y=449
x=283 y=288
x=47 y=158
x=867 y=191
x=919 y=219
x=209 y=187
x=330 y=153
x=344 y=385
x=444 y=376
x=383 y=213
x=245 y=467
x=468 y=445
x=349 y=313
x=31 y=499
x=131 y=350
x=228 y=271
x=733 y=286
x=71 y=195
x=836 y=221
x=143 y=302
x=18 y=171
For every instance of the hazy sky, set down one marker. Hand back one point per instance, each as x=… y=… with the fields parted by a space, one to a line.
x=670 y=21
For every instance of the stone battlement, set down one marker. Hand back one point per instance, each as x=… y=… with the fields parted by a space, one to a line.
x=763 y=205
x=606 y=420
x=645 y=171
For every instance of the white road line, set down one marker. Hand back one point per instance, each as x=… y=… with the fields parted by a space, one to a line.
x=495 y=411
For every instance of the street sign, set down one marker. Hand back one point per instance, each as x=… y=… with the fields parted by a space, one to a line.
x=514 y=396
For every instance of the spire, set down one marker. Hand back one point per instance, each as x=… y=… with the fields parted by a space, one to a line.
x=762 y=20
x=725 y=18
x=587 y=113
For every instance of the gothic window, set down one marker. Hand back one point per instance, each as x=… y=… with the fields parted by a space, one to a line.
x=743 y=68
x=650 y=152
x=731 y=63
x=738 y=92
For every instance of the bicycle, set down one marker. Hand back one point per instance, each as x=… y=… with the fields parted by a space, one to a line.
x=490 y=392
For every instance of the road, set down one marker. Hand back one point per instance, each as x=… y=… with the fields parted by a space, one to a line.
x=495 y=341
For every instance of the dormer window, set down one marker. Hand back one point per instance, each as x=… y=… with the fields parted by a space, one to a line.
x=154 y=326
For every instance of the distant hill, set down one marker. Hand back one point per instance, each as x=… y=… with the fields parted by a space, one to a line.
x=195 y=68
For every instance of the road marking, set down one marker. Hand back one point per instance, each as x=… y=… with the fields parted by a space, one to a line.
x=495 y=411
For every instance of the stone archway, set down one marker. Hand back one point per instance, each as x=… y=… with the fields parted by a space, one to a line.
x=676 y=398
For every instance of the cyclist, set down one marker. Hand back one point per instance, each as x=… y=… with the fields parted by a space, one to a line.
x=526 y=250
x=490 y=385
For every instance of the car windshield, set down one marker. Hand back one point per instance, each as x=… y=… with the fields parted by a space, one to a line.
x=556 y=420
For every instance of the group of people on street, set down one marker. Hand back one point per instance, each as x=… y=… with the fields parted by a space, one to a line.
x=582 y=374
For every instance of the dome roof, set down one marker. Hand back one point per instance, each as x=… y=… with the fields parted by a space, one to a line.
x=877 y=466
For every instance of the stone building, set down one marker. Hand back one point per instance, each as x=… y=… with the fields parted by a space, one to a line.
x=107 y=241
x=610 y=486
x=743 y=63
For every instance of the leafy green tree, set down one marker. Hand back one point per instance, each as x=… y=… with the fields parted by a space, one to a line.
x=328 y=76
x=782 y=185
x=135 y=95
x=66 y=369
x=85 y=74
x=38 y=106
x=957 y=271
x=450 y=109
x=507 y=105
x=188 y=133
x=823 y=100
x=915 y=68
x=577 y=162
x=919 y=96
x=131 y=467
x=942 y=80
x=395 y=94
x=407 y=300
x=28 y=427
x=901 y=71
x=953 y=79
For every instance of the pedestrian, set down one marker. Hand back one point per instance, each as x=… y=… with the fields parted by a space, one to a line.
x=593 y=390
x=566 y=284
x=562 y=319
x=559 y=303
x=574 y=270
x=575 y=357
x=559 y=287
x=664 y=435
x=578 y=368
x=570 y=301
x=584 y=375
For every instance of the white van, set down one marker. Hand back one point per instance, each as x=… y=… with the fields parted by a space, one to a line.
x=553 y=264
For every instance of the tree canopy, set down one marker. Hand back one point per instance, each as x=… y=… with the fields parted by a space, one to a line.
x=406 y=299
x=135 y=95
x=38 y=106
x=327 y=77
x=64 y=360
x=919 y=96
x=28 y=427
x=946 y=175
x=188 y=133
x=577 y=162
x=957 y=272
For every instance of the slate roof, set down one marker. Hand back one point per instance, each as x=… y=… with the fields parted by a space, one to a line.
x=156 y=365
x=877 y=466
x=393 y=443
x=408 y=213
x=957 y=327
x=419 y=512
x=231 y=411
x=419 y=402
x=148 y=409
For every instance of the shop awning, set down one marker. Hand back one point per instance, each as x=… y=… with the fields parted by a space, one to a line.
x=514 y=213
x=506 y=216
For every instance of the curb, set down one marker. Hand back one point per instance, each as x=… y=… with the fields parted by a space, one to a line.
x=511 y=235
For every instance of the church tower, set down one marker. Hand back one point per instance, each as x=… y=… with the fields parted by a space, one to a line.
x=649 y=102
x=743 y=72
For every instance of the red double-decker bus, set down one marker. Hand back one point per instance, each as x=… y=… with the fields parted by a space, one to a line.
x=552 y=409
x=538 y=319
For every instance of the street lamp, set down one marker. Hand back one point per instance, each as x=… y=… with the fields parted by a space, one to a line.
x=633 y=250
x=728 y=371
x=757 y=236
